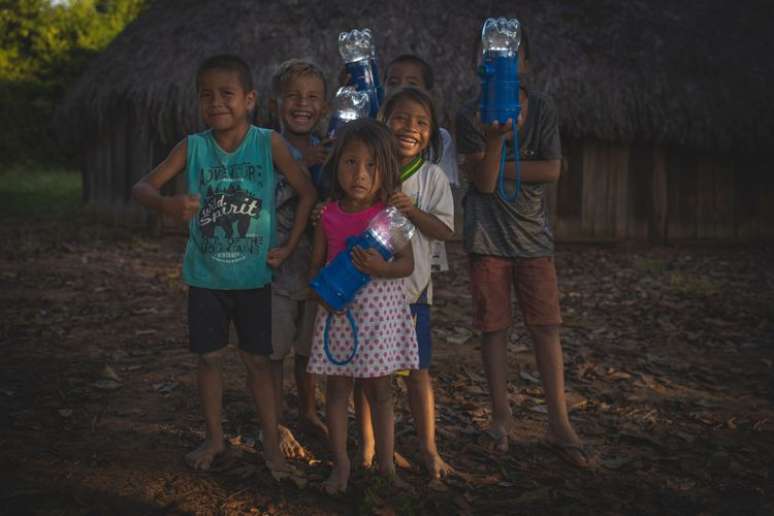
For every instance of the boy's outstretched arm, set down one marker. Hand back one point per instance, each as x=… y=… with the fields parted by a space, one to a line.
x=147 y=191
x=307 y=195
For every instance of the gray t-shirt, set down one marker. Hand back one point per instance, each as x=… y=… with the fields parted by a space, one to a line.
x=518 y=229
x=290 y=278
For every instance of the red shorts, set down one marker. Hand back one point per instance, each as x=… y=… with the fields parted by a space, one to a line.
x=534 y=279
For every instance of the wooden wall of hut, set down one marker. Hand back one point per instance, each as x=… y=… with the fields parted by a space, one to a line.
x=607 y=191
x=615 y=192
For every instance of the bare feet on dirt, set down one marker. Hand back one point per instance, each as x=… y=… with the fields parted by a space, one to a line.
x=314 y=423
x=566 y=444
x=288 y=444
x=436 y=466
x=337 y=481
x=499 y=433
x=202 y=457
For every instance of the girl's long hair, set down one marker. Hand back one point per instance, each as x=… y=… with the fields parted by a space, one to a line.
x=433 y=151
x=378 y=138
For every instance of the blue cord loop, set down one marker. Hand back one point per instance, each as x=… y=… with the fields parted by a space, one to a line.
x=501 y=177
x=327 y=344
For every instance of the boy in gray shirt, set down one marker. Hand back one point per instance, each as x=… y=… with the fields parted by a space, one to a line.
x=510 y=243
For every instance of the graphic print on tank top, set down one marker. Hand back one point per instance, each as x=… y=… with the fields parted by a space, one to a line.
x=228 y=212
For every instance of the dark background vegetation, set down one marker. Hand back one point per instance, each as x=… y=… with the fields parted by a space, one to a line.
x=44 y=47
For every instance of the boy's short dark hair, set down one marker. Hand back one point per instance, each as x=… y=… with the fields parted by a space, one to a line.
x=229 y=63
x=433 y=151
x=427 y=71
x=295 y=68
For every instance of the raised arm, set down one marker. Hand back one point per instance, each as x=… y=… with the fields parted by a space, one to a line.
x=147 y=191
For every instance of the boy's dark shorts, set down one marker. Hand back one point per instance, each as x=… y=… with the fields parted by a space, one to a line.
x=534 y=279
x=210 y=313
x=420 y=312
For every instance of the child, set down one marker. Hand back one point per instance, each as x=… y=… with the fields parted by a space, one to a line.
x=411 y=70
x=299 y=93
x=230 y=206
x=511 y=243
x=426 y=199
x=364 y=163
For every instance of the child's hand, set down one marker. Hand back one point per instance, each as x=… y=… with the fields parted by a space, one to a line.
x=368 y=261
x=315 y=155
x=404 y=203
x=496 y=130
x=182 y=206
x=276 y=256
x=316 y=214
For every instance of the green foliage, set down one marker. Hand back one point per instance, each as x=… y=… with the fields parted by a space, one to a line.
x=44 y=47
x=30 y=191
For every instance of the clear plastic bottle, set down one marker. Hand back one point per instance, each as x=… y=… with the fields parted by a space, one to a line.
x=391 y=229
x=356 y=45
x=348 y=104
x=358 y=51
x=501 y=35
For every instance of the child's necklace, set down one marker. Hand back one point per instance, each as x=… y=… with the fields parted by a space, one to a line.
x=411 y=168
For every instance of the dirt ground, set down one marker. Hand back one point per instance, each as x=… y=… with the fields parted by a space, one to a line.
x=668 y=362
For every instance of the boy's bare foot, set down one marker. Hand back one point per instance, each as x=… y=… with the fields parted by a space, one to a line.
x=499 y=433
x=436 y=466
x=392 y=477
x=569 y=448
x=202 y=457
x=315 y=424
x=288 y=444
x=401 y=461
x=337 y=481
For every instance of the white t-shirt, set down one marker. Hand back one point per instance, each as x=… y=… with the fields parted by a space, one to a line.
x=430 y=190
x=448 y=164
x=448 y=161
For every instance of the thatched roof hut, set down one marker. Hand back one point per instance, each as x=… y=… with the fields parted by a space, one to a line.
x=651 y=94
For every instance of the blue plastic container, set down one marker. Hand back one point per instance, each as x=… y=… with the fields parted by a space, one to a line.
x=365 y=77
x=339 y=281
x=499 y=87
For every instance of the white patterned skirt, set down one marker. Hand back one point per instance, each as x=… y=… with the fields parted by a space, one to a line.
x=385 y=330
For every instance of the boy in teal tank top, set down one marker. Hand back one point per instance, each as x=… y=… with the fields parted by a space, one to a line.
x=230 y=253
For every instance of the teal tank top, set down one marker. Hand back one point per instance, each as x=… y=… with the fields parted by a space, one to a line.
x=231 y=234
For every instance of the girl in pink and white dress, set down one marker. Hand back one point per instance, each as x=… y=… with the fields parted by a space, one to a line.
x=366 y=171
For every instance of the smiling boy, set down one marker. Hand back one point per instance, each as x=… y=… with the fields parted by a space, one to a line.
x=228 y=259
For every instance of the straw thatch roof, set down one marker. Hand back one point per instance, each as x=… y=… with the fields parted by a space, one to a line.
x=687 y=73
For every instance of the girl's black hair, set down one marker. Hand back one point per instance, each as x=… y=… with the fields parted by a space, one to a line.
x=433 y=151
x=378 y=138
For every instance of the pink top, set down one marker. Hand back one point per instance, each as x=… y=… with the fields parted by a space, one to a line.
x=339 y=225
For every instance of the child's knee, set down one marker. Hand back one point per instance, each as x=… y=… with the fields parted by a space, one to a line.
x=417 y=377
x=379 y=390
x=338 y=389
x=543 y=332
x=212 y=360
x=255 y=364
